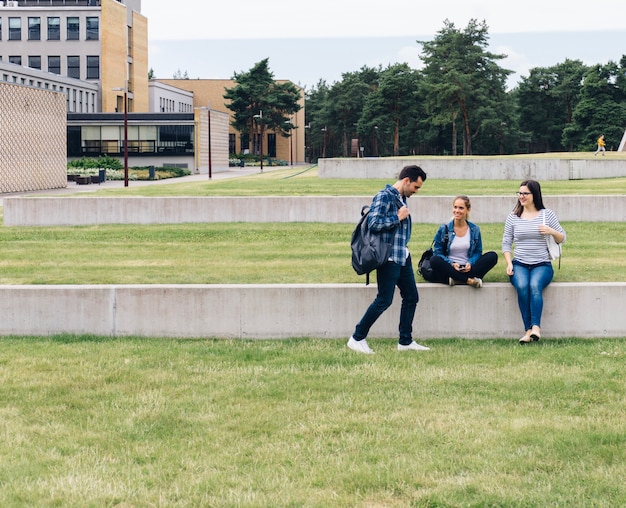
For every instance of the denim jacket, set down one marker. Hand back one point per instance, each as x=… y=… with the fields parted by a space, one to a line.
x=476 y=242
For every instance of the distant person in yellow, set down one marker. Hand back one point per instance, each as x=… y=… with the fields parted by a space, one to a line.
x=601 y=145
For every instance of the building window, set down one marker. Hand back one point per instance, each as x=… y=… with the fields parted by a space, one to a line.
x=0 y=29
x=54 y=64
x=93 y=67
x=73 y=29
x=34 y=62
x=15 y=29
x=34 y=29
x=15 y=59
x=73 y=68
x=93 y=27
x=54 y=29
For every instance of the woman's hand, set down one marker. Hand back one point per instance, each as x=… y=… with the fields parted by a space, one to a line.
x=462 y=268
x=509 y=269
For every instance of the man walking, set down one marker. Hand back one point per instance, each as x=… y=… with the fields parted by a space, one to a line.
x=390 y=216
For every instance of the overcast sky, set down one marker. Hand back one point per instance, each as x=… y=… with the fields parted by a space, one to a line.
x=309 y=41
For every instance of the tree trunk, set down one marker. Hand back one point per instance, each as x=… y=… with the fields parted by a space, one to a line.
x=454 y=133
x=396 y=138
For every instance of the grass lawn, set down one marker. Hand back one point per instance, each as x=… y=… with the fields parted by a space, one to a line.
x=133 y=422
x=253 y=253
x=305 y=182
x=90 y=421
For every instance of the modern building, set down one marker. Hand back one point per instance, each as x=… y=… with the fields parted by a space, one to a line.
x=210 y=93
x=104 y=42
x=95 y=54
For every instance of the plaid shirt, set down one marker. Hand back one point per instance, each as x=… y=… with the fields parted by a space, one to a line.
x=383 y=218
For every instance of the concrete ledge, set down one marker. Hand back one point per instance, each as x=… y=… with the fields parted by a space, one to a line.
x=588 y=310
x=476 y=168
x=84 y=211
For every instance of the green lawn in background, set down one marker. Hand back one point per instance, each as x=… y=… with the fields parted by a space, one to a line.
x=305 y=182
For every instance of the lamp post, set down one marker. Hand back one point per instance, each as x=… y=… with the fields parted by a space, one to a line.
x=125 y=90
x=290 y=142
x=307 y=154
x=324 y=130
x=260 y=117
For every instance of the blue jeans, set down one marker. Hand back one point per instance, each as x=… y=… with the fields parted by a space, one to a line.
x=530 y=281
x=388 y=277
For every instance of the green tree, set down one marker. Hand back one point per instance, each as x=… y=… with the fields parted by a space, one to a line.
x=463 y=83
x=389 y=110
x=180 y=75
x=601 y=108
x=345 y=104
x=258 y=97
x=546 y=99
x=316 y=119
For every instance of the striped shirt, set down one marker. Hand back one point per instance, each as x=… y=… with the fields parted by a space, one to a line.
x=530 y=245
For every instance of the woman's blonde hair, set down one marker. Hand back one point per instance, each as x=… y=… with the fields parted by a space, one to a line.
x=466 y=200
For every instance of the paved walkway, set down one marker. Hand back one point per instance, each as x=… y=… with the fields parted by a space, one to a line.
x=74 y=188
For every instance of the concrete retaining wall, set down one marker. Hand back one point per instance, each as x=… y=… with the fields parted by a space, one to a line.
x=79 y=211
x=476 y=168
x=588 y=310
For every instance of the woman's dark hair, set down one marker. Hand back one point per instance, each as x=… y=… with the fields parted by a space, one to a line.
x=535 y=189
x=413 y=173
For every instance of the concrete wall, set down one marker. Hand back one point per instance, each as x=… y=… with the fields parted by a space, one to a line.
x=476 y=168
x=69 y=211
x=588 y=310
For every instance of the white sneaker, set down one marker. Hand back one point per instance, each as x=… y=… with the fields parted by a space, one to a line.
x=360 y=346
x=413 y=346
x=478 y=283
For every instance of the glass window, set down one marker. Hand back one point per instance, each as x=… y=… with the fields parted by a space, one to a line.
x=54 y=64
x=73 y=67
x=54 y=29
x=93 y=67
x=16 y=59
x=15 y=29
x=93 y=27
x=34 y=62
x=34 y=29
x=73 y=29
x=0 y=29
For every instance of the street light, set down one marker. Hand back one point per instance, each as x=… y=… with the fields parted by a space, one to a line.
x=260 y=117
x=324 y=151
x=307 y=154
x=290 y=142
x=125 y=90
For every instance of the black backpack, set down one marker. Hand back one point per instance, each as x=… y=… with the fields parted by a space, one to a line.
x=423 y=267
x=369 y=251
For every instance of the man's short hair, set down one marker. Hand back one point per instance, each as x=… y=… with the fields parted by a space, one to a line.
x=413 y=173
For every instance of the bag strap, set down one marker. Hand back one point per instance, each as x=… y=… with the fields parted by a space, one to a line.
x=543 y=218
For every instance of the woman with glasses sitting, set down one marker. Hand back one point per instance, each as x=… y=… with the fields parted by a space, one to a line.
x=530 y=270
x=458 y=249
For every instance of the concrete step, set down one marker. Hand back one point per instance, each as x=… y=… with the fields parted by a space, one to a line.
x=267 y=311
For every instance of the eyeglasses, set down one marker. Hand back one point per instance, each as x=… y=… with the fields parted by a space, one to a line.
x=520 y=194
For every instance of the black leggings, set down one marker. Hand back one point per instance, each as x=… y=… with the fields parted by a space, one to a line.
x=442 y=270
